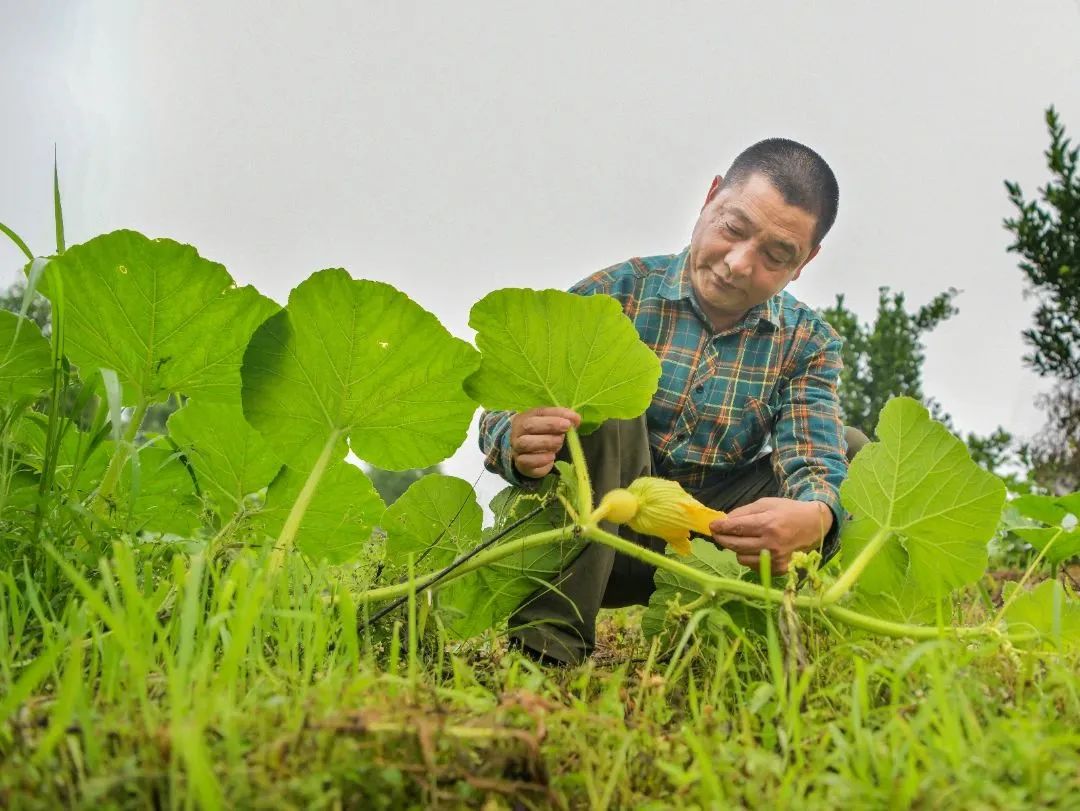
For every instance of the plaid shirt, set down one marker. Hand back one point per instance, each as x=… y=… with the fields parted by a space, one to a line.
x=724 y=396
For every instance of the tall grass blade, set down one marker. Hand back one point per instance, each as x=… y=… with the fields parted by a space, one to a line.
x=22 y=246
x=58 y=211
x=29 y=681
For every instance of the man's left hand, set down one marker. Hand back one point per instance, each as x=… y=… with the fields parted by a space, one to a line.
x=780 y=525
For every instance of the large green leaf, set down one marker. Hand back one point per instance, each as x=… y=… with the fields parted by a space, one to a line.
x=25 y=358
x=888 y=570
x=1060 y=544
x=165 y=319
x=550 y=348
x=673 y=589
x=907 y=601
x=436 y=519
x=919 y=485
x=337 y=525
x=230 y=458
x=1041 y=508
x=1047 y=610
x=358 y=359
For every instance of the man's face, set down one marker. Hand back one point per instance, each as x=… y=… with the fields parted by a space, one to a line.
x=746 y=246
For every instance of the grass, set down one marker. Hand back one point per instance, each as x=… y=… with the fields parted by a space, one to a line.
x=160 y=679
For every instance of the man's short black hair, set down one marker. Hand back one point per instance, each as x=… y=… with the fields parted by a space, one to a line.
x=799 y=173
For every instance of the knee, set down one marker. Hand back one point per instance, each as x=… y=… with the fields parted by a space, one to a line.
x=855 y=440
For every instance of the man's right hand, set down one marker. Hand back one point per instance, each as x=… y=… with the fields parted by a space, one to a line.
x=537 y=435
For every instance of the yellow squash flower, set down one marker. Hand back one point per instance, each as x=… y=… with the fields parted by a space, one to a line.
x=660 y=508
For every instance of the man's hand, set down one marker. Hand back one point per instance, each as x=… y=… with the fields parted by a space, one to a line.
x=537 y=435
x=780 y=525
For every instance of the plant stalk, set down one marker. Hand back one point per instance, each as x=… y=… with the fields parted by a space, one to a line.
x=584 y=486
x=852 y=573
x=292 y=524
x=1016 y=592
x=711 y=585
x=483 y=559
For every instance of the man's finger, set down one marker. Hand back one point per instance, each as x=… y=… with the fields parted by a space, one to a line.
x=534 y=443
x=535 y=464
x=753 y=508
x=737 y=543
x=556 y=426
x=745 y=525
x=562 y=413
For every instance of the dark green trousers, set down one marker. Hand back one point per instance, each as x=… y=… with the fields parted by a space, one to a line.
x=560 y=621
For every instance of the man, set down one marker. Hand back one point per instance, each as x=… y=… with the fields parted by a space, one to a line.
x=745 y=368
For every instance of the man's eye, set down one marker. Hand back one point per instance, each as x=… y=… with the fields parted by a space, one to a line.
x=730 y=229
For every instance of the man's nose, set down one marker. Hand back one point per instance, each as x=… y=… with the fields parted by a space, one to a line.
x=740 y=259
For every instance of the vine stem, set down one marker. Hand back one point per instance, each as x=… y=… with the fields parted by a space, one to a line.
x=1016 y=592
x=483 y=559
x=844 y=583
x=711 y=585
x=584 y=486
x=303 y=501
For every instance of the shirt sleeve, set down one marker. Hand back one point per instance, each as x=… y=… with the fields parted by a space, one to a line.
x=495 y=445
x=810 y=457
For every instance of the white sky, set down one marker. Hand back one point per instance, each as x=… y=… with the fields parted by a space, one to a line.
x=454 y=148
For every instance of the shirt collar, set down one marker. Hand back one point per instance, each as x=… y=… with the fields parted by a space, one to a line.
x=677 y=286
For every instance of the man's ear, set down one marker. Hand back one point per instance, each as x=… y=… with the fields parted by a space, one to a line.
x=813 y=253
x=713 y=189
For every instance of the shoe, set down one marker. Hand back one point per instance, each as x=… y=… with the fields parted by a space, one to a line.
x=540 y=657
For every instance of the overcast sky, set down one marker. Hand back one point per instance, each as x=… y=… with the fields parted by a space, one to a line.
x=453 y=148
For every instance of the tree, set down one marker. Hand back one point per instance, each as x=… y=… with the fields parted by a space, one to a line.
x=884 y=359
x=1046 y=236
x=39 y=311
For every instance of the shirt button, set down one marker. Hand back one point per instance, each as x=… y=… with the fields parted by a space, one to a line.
x=699 y=388
x=679 y=437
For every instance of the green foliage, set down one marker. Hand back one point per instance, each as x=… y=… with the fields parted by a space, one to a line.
x=25 y=358
x=156 y=493
x=1054 y=452
x=550 y=348
x=357 y=359
x=257 y=450
x=121 y=615
x=435 y=520
x=1047 y=611
x=337 y=525
x=486 y=597
x=674 y=592
x=38 y=310
x=1046 y=233
x=919 y=487
x=229 y=457
x=1046 y=237
x=1056 y=534
x=162 y=317
x=884 y=359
